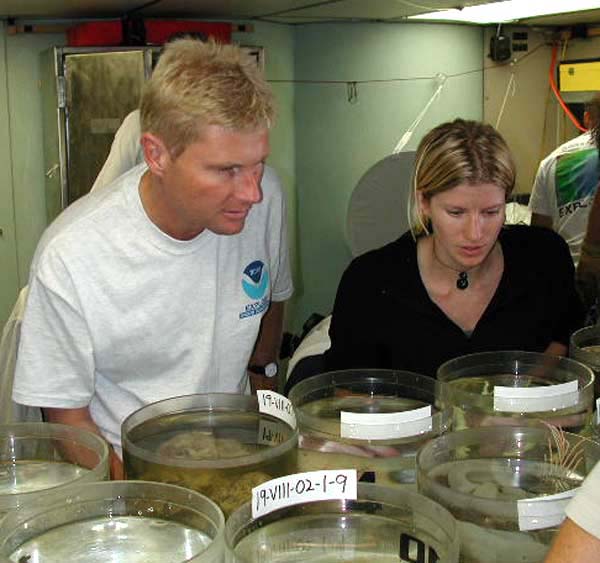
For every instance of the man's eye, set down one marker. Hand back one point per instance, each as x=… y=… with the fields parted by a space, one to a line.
x=454 y=212
x=492 y=212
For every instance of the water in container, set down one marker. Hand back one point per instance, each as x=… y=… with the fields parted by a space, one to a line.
x=373 y=421
x=130 y=521
x=497 y=481
x=383 y=525
x=514 y=387
x=38 y=458
x=219 y=445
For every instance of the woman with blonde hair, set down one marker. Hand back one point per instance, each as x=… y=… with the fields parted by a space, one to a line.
x=459 y=281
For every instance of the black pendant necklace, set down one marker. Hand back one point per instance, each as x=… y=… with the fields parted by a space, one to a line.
x=463 y=280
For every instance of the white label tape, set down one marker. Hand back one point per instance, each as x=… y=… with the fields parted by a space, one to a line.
x=536 y=399
x=598 y=410
x=543 y=512
x=276 y=405
x=386 y=425
x=303 y=487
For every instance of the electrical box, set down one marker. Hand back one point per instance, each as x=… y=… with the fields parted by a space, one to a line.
x=500 y=49
x=579 y=80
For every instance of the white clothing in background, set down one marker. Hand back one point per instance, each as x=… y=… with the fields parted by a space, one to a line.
x=315 y=343
x=9 y=411
x=125 y=151
x=121 y=315
x=564 y=189
x=584 y=509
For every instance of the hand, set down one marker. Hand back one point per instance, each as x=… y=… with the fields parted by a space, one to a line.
x=588 y=274
x=117 y=473
x=258 y=381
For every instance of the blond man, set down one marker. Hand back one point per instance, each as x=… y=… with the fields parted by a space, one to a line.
x=156 y=285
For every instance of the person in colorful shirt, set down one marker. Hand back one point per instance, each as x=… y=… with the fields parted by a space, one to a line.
x=565 y=185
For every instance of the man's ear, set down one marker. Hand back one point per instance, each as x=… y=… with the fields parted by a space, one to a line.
x=156 y=153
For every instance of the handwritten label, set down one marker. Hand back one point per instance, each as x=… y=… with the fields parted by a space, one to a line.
x=385 y=426
x=276 y=405
x=303 y=487
x=536 y=399
x=269 y=433
x=543 y=512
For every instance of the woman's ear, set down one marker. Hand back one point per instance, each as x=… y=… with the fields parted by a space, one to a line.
x=156 y=153
x=424 y=212
x=423 y=205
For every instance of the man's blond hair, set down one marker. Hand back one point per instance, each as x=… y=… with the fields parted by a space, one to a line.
x=196 y=84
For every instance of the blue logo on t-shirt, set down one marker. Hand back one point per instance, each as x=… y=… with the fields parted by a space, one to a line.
x=255 y=280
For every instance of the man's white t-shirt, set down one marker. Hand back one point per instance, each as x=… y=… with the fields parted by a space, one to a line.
x=120 y=315
x=564 y=189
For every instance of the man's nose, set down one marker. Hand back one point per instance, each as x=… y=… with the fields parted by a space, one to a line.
x=249 y=186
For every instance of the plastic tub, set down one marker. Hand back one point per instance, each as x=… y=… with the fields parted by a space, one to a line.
x=37 y=458
x=517 y=388
x=379 y=527
x=217 y=444
x=584 y=347
x=332 y=437
x=132 y=521
x=507 y=486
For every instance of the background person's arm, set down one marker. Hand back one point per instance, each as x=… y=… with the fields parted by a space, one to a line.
x=556 y=349
x=592 y=235
x=81 y=418
x=267 y=346
x=588 y=269
x=542 y=200
x=574 y=545
x=539 y=220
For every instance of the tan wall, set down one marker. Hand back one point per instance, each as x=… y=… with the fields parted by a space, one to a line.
x=532 y=122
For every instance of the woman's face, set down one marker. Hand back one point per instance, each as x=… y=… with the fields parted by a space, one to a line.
x=466 y=222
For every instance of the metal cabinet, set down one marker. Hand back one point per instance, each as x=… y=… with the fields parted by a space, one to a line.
x=86 y=93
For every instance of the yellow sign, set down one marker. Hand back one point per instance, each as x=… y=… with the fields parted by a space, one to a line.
x=579 y=76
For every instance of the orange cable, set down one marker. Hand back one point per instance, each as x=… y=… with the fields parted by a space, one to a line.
x=557 y=93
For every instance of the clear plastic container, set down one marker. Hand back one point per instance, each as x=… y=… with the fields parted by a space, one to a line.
x=217 y=444
x=584 y=347
x=129 y=521
x=371 y=442
x=507 y=486
x=478 y=387
x=37 y=458
x=383 y=525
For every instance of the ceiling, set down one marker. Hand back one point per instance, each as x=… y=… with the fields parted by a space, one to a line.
x=282 y=11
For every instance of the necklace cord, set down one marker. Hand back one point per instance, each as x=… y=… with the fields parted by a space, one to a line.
x=462 y=281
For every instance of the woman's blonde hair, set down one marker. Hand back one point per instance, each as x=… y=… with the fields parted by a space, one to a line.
x=455 y=153
x=199 y=83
